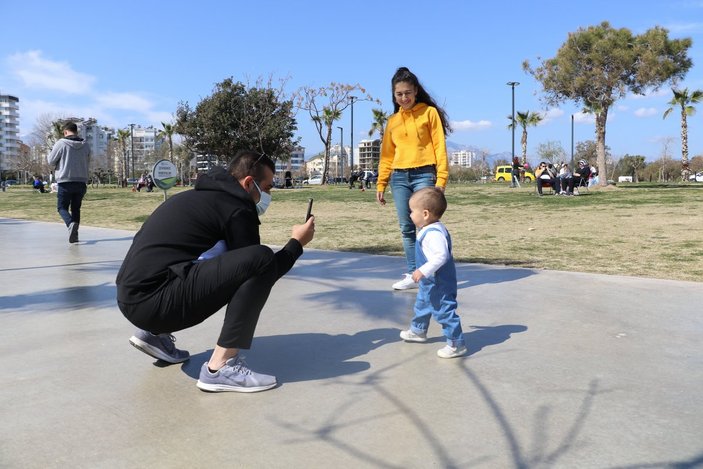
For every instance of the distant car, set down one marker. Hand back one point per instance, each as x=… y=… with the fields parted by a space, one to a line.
x=132 y=181
x=313 y=180
x=698 y=177
x=504 y=173
x=11 y=182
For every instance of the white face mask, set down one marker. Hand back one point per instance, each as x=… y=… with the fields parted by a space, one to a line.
x=264 y=200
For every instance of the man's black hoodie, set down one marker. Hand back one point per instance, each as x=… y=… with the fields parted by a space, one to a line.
x=185 y=226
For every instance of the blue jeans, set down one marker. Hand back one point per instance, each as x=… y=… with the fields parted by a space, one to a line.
x=403 y=184
x=70 y=194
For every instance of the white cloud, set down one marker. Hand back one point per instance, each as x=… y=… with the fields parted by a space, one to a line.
x=584 y=118
x=622 y=108
x=645 y=111
x=468 y=125
x=684 y=28
x=651 y=94
x=128 y=101
x=550 y=114
x=37 y=72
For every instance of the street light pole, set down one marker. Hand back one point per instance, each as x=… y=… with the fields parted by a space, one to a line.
x=513 y=84
x=341 y=151
x=131 y=142
x=351 y=157
x=572 y=142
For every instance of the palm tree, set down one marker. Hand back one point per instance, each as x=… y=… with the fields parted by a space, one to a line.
x=122 y=136
x=378 y=123
x=168 y=131
x=525 y=119
x=326 y=119
x=685 y=100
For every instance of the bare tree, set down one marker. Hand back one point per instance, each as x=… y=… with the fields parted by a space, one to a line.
x=325 y=106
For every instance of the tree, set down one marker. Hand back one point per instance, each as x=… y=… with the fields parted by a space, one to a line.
x=598 y=65
x=167 y=132
x=239 y=116
x=325 y=106
x=588 y=150
x=525 y=119
x=630 y=164
x=122 y=136
x=685 y=101
x=378 y=124
x=551 y=151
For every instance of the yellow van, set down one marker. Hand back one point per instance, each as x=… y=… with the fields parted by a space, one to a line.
x=504 y=173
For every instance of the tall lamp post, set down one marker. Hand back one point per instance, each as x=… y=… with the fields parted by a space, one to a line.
x=351 y=157
x=572 y=142
x=513 y=84
x=131 y=142
x=341 y=152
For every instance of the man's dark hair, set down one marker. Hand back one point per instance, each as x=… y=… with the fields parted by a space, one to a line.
x=70 y=126
x=249 y=163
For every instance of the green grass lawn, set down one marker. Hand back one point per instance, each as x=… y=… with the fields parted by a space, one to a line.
x=648 y=230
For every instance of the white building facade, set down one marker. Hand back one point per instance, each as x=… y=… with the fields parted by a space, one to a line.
x=463 y=158
x=9 y=131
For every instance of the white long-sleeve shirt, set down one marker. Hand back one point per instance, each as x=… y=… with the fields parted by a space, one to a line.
x=435 y=248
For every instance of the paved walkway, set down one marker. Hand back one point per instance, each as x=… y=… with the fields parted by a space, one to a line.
x=612 y=381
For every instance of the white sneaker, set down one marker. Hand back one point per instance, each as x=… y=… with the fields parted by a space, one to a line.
x=406 y=284
x=410 y=336
x=451 y=352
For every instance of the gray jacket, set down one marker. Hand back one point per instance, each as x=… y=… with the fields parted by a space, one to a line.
x=71 y=157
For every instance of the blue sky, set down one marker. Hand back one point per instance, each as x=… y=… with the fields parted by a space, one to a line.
x=132 y=62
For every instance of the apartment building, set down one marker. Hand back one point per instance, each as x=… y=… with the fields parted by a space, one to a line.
x=9 y=131
x=369 y=154
x=463 y=158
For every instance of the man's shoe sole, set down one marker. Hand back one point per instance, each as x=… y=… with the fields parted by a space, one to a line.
x=225 y=388
x=154 y=352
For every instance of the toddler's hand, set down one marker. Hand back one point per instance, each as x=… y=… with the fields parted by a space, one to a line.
x=417 y=275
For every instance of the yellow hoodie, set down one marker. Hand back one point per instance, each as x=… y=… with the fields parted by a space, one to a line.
x=412 y=139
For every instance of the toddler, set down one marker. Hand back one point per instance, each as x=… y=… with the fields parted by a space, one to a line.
x=436 y=275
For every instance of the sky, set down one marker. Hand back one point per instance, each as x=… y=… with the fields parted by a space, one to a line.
x=134 y=61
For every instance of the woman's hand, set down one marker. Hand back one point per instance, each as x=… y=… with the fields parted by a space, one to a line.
x=379 y=197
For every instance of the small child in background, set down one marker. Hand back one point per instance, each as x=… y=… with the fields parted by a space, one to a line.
x=436 y=276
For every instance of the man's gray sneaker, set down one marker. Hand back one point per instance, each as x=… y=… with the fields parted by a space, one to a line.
x=73 y=232
x=234 y=376
x=159 y=346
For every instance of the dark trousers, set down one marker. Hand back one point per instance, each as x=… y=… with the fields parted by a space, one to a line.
x=552 y=182
x=241 y=279
x=70 y=194
x=567 y=184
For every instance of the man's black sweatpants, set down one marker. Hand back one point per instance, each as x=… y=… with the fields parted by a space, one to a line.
x=241 y=279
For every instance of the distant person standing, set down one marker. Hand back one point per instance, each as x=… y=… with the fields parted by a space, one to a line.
x=70 y=158
x=413 y=156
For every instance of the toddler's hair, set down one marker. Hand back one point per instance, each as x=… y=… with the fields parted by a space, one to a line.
x=431 y=199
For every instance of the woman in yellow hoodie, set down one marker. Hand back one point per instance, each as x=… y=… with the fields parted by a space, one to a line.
x=413 y=156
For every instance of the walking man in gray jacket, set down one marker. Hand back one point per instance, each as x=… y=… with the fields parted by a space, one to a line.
x=70 y=156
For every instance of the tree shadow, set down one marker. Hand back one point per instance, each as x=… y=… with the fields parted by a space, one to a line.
x=61 y=299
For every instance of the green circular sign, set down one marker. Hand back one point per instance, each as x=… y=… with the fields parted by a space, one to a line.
x=165 y=174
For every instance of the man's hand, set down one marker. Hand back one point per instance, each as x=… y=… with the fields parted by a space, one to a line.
x=417 y=276
x=304 y=233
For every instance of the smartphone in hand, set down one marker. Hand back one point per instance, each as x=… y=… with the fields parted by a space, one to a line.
x=307 y=216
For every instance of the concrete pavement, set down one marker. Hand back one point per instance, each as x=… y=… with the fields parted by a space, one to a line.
x=611 y=381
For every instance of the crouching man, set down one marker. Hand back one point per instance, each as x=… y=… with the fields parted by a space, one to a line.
x=163 y=286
